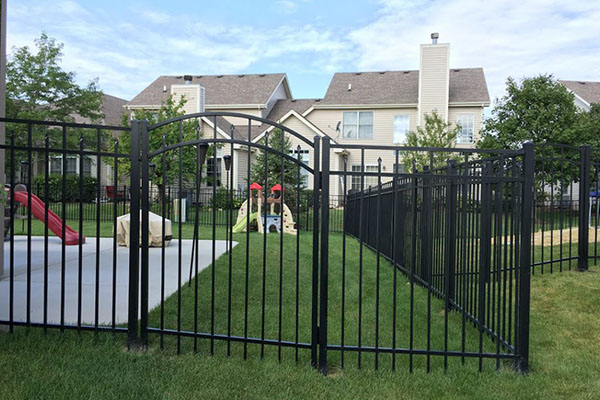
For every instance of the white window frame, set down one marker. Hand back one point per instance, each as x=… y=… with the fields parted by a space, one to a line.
x=399 y=136
x=369 y=181
x=356 y=125
x=305 y=159
x=466 y=135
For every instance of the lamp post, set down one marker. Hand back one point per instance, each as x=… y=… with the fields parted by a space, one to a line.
x=25 y=173
x=201 y=150
x=228 y=219
x=151 y=170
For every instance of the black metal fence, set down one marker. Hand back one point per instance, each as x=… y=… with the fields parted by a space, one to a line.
x=423 y=269
x=224 y=200
x=457 y=232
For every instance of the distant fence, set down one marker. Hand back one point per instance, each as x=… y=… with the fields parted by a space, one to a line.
x=223 y=200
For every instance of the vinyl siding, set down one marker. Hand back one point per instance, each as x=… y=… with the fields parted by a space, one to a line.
x=434 y=78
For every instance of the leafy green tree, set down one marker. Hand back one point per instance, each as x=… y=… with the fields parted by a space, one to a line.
x=543 y=111
x=273 y=161
x=38 y=88
x=537 y=109
x=435 y=133
x=169 y=135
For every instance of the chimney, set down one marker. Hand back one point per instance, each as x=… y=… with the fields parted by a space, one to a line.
x=434 y=78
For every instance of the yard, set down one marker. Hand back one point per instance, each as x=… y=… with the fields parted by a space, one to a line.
x=565 y=326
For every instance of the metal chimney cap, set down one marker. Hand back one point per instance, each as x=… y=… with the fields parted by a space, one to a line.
x=187 y=78
x=434 y=37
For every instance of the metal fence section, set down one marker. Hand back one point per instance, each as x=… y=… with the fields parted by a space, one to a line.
x=461 y=233
x=51 y=280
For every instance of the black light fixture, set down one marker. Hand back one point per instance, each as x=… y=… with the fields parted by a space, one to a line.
x=202 y=150
x=24 y=171
x=152 y=168
x=227 y=159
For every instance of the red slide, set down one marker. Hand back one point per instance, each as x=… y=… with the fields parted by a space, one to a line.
x=55 y=224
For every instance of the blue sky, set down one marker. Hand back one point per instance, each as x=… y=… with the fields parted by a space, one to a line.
x=127 y=44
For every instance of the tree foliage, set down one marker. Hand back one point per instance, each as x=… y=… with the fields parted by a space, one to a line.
x=435 y=133
x=38 y=88
x=537 y=109
x=157 y=139
x=278 y=143
x=541 y=110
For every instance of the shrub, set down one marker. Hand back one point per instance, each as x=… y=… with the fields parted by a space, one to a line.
x=72 y=189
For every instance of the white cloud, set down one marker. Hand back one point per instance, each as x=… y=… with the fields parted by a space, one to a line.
x=507 y=37
x=127 y=55
x=286 y=6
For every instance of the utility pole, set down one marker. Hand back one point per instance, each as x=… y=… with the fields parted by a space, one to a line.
x=2 y=114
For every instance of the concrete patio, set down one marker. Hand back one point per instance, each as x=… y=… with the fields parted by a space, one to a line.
x=105 y=271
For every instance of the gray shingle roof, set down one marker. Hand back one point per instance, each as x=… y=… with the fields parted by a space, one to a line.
x=220 y=89
x=112 y=108
x=402 y=87
x=589 y=91
x=281 y=108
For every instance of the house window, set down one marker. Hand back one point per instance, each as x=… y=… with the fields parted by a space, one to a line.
x=56 y=165
x=305 y=159
x=399 y=168
x=358 y=124
x=368 y=180
x=465 y=135
x=401 y=128
x=214 y=166
x=87 y=166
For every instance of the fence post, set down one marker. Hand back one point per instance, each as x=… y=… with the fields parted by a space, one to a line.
x=134 y=237
x=584 y=204
x=525 y=258
x=315 y=260
x=450 y=234
x=144 y=229
x=426 y=241
x=324 y=257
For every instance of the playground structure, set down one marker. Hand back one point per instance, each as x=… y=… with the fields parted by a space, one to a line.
x=38 y=210
x=279 y=216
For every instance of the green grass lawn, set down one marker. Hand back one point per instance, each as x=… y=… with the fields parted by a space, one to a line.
x=565 y=326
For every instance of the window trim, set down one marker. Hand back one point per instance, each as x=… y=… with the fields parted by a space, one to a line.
x=365 y=177
x=357 y=126
x=393 y=131
x=460 y=139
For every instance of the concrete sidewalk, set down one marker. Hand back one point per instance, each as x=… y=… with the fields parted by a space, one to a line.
x=88 y=277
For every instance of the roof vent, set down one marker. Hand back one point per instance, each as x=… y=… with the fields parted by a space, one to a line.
x=457 y=70
x=293 y=100
x=317 y=100
x=582 y=83
x=357 y=73
x=241 y=76
x=178 y=77
x=381 y=72
x=165 y=89
x=199 y=76
x=219 y=76
x=349 y=87
x=262 y=75
x=188 y=79
x=406 y=72
x=434 y=37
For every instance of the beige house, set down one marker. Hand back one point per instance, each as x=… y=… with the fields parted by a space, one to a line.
x=365 y=108
x=586 y=93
